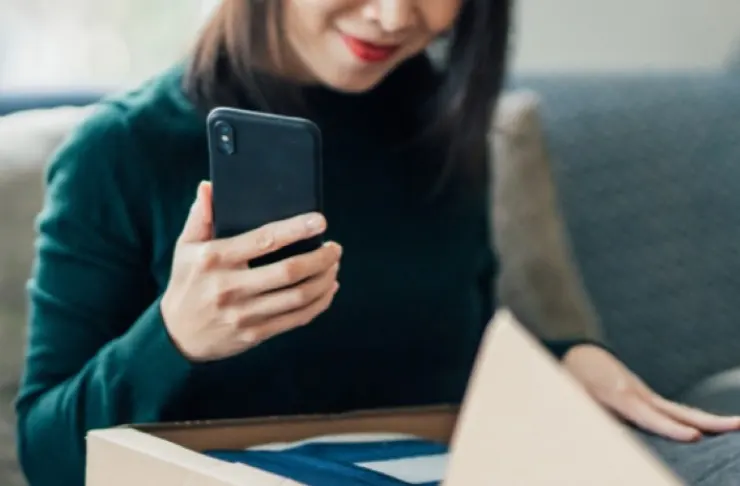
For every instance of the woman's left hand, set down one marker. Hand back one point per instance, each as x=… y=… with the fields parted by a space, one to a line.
x=609 y=381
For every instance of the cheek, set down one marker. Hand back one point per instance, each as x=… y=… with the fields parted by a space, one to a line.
x=314 y=15
x=440 y=15
x=303 y=18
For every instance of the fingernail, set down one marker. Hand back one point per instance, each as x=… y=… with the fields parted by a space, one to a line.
x=314 y=223
x=336 y=287
x=337 y=247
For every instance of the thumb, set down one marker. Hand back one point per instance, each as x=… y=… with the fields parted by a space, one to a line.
x=198 y=226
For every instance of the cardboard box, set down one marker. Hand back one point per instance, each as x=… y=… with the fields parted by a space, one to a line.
x=524 y=421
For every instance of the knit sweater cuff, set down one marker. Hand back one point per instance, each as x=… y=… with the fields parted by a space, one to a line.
x=559 y=348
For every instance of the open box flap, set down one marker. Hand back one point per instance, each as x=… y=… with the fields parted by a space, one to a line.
x=128 y=457
x=526 y=421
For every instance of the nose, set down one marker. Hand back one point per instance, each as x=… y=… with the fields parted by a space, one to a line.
x=392 y=15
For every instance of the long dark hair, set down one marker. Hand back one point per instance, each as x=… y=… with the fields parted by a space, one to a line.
x=222 y=70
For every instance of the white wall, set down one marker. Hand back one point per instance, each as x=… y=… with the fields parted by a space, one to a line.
x=599 y=35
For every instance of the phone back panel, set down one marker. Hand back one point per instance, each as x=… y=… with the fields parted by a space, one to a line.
x=272 y=171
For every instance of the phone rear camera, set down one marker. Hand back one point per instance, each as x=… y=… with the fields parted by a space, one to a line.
x=225 y=137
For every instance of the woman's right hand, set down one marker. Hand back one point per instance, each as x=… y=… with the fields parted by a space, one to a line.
x=215 y=306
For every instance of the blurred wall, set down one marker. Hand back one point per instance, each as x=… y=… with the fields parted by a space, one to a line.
x=604 y=35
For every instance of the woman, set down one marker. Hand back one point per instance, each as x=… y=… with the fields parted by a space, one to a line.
x=137 y=315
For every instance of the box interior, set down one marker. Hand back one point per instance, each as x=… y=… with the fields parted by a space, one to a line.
x=168 y=454
x=434 y=423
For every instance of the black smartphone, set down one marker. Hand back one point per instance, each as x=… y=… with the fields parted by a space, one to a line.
x=263 y=168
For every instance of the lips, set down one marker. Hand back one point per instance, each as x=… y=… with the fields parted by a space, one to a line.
x=367 y=51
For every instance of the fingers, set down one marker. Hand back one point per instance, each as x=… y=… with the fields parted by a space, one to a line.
x=669 y=419
x=198 y=225
x=292 y=298
x=636 y=409
x=278 y=287
x=237 y=250
x=699 y=419
x=620 y=391
x=292 y=270
x=285 y=322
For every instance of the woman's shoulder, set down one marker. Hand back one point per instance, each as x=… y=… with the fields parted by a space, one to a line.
x=121 y=147
x=157 y=106
x=128 y=126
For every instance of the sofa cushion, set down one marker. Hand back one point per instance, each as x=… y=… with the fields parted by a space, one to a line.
x=718 y=393
x=648 y=173
x=31 y=136
x=539 y=280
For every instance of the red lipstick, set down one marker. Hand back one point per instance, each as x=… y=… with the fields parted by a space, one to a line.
x=367 y=51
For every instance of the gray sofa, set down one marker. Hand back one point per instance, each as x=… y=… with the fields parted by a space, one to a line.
x=26 y=140
x=648 y=174
x=647 y=169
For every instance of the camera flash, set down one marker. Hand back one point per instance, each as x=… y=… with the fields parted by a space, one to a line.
x=225 y=138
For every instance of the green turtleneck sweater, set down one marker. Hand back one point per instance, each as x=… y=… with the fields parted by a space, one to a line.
x=404 y=328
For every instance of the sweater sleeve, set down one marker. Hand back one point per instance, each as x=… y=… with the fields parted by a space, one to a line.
x=491 y=291
x=98 y=354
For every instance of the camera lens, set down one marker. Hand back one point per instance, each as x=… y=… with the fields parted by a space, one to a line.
x=225 y=137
